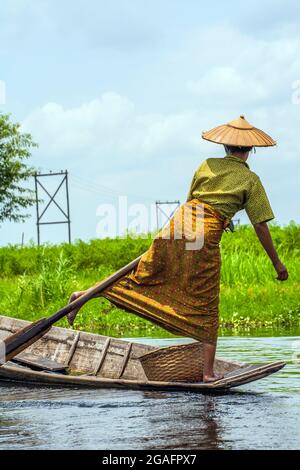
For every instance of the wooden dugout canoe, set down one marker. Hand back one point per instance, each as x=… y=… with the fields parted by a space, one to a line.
x=65 y=357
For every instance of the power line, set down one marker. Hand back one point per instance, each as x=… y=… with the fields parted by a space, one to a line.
x=95 y=187
x=87 y=184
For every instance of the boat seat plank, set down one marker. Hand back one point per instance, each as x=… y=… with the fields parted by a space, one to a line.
x=72 y=349
x=38 y=363
x=125 y=359
x=102 y=356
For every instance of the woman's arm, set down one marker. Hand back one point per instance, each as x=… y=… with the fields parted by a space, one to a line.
x=265 y=238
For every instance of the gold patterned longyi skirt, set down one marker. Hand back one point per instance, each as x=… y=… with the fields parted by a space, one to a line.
x=177 y=281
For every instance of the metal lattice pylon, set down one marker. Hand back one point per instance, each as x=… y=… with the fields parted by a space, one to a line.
x=39 y=186
x=159 y=210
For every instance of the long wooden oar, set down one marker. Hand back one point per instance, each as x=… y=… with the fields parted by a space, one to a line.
x=16 y=343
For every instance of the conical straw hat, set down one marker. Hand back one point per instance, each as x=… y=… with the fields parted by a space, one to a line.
x=239 y=133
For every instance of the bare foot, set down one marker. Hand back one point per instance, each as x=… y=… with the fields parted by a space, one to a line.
x=212 y=378
x=72 y=315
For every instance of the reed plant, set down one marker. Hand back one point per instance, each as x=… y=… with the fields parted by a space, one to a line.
x=37 y=281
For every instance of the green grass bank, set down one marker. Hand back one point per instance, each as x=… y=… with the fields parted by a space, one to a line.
x=35 y=282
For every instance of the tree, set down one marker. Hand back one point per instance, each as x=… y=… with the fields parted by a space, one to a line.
x=15 y=149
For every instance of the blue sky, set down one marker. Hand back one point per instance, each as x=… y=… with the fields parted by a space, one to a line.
x=119 y=92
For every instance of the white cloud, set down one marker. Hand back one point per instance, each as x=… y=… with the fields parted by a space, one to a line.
x=152 y=156
x=223 y=65
x=109 y=132
x=226 y=84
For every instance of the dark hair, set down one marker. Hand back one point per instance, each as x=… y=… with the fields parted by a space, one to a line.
x=234 y=149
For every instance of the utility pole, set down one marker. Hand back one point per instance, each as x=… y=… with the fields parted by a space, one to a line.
x=237 y=221
x=159 y=210
x=40 y=187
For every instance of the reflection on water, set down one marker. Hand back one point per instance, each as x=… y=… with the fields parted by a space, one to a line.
x=262 y=414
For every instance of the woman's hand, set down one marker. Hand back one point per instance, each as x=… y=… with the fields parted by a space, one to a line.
x=281 y=271
x=263 y=233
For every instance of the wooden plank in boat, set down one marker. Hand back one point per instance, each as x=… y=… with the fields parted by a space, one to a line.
x=72 y=350
x=102 y=356
x=125 y=360
x=39 y=363
x=248 y=374
x=242 y=370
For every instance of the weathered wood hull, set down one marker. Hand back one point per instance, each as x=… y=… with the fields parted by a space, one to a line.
x=66 y=357
x=27 y=376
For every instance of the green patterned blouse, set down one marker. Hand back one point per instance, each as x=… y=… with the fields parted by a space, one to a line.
x=228 y=185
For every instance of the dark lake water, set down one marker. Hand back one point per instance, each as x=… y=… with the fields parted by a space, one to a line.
x=260 y=415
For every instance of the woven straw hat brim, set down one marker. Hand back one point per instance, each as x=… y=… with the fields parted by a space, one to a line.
x=239 y=133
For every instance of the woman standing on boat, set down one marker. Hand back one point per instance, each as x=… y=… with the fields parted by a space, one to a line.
x=177 y=287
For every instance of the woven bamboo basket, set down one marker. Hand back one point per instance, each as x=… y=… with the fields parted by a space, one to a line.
x=182 y=363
